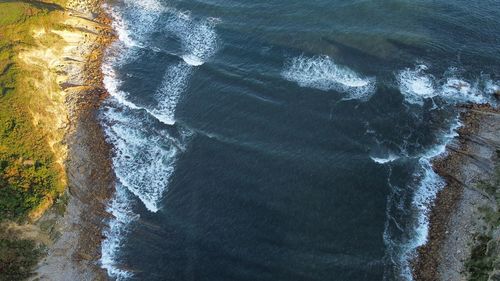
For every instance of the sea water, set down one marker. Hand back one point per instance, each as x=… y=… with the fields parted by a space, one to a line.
x=284 y=140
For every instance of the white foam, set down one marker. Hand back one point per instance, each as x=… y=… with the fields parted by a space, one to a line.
x=142 y=161
x=147 y=6
x=142 y=17
x=199 y=42
x=123 y=216
x=198 y=37
x=388 y=159
x=112 y=85
x=416 y=85
x=144 y=156
x=428 y=186
x=133 y=24
x=119 y=25
x=173 y=85
x=192 y=60
x=492 y=87
x=456 y=90
x=322 y=73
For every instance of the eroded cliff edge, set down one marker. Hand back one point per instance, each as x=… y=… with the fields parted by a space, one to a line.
x=76 y=253
x=52 y=78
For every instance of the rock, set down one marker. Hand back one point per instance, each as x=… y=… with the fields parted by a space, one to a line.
x=493 y=248
x=494 y=276
x=29 y=162
x=83 y=256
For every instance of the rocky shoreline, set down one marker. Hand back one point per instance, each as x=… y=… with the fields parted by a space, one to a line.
x=75 y=253
x=456 y=219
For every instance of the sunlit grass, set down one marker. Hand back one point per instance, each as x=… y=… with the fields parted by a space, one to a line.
x=28 y=173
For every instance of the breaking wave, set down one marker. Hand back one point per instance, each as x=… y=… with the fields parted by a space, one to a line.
x=385 y=160
x=321 y=72
x=408 y=208
x=198 y=38
x=417 y=85
x=121 y=210
x=144 y=159
x=426 y=192
x=403 y=236
x=199 y=44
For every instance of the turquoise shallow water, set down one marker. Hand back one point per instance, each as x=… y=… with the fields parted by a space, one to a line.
x=272 y=140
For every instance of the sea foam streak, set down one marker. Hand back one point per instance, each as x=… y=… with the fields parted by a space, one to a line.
x=198 y=37
x=168 y=94
x=322 y=73
x=142 y=17
x=388 y=159
x=120 y=208
x=143 y=161
x=199 y=43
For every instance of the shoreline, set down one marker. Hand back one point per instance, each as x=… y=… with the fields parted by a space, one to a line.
x=456 y=219
x=76 y=250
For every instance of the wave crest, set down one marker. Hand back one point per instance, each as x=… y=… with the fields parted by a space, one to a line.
x=321 y=72
x=143 y=161
x=121 y=209
x=417 y=85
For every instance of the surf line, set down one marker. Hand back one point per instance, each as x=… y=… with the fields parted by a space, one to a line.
x=144 y=160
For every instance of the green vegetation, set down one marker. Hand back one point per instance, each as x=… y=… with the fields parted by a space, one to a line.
x=480 y=264
x=12 y=12
x=17 y=258
x=28 y=173
x=485 y=255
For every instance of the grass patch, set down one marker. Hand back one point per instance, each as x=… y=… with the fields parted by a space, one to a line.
x=28 y=172
x=17 y=258
x=485 y=256
x=480 y=263
x=13 y=12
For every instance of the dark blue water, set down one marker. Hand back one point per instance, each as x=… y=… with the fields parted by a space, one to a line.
x=285 y=140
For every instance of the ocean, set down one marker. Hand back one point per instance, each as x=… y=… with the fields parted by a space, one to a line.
x=284 y=140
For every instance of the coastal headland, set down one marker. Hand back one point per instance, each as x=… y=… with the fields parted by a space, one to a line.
x=56 y=170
